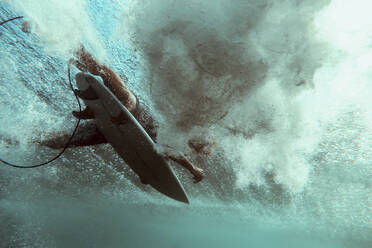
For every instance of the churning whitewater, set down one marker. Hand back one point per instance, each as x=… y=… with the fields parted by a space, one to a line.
x=282 y=87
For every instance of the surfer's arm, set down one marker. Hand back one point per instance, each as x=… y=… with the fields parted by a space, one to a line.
x=86 y=62
x=184 y=162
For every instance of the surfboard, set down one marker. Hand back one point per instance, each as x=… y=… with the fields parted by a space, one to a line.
x=128 y=138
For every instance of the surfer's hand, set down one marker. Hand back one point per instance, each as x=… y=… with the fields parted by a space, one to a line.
x=199 y=174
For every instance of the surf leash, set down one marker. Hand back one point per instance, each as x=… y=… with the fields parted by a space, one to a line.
x=11 y=19
x=73 y=133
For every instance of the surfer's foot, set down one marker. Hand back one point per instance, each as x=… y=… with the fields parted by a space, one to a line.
x=86 y=114
x=198 y=173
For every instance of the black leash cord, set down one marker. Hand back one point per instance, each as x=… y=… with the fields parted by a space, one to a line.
x=73 y=133
x=11 y=19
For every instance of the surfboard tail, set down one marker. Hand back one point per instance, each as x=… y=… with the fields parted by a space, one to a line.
x=177 y=193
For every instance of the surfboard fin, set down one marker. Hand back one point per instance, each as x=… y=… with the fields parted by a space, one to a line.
x=88 y=94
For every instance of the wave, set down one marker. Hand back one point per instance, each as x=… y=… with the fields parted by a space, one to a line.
x=286 y=101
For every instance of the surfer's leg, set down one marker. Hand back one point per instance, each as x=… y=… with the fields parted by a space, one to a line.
x=198 y=173
x=87 y=135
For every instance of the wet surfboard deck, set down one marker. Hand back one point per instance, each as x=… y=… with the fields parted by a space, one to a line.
x=128 y=138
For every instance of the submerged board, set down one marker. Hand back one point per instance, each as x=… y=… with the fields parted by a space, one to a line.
x=129 y=139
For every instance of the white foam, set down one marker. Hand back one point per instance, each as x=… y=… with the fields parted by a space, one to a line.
x=288 y=83
x=61 y=25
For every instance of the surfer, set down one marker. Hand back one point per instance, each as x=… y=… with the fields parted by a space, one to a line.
x=89 y=134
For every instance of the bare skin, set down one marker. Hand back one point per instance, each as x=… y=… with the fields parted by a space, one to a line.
x=86 y=62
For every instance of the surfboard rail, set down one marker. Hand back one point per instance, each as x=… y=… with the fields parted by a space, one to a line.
x=129 y=139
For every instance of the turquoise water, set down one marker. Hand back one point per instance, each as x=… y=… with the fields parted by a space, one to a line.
x=284 y=89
